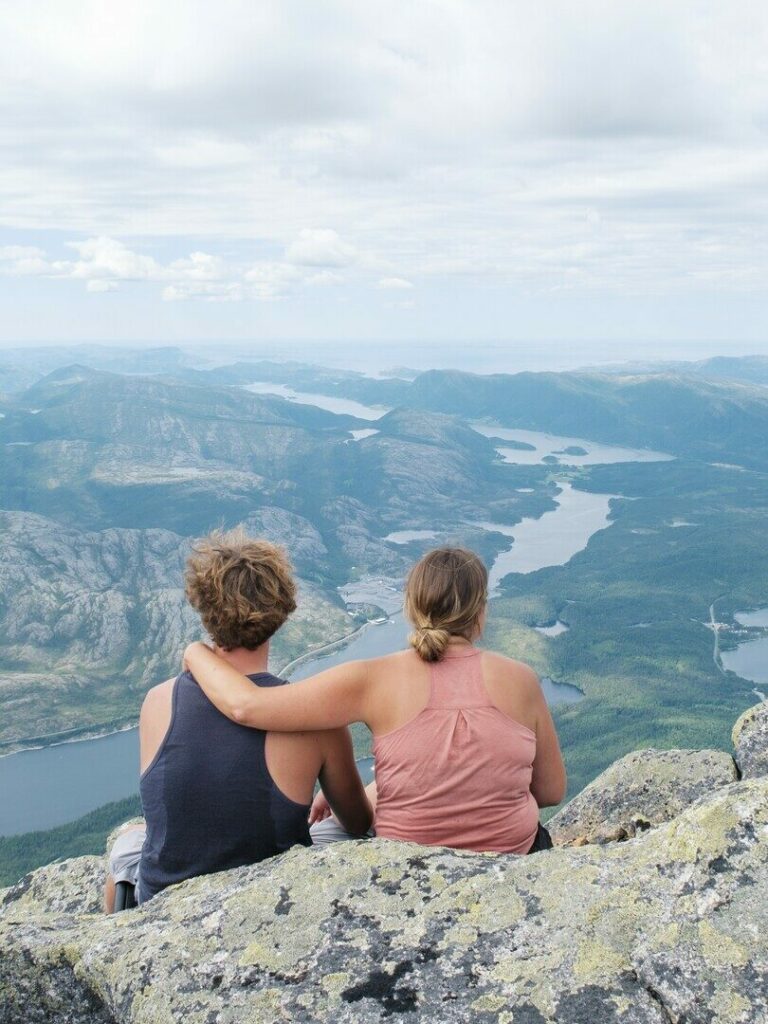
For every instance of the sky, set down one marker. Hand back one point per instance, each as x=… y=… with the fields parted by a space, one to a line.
x=547 y=174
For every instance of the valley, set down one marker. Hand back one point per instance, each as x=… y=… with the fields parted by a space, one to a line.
x=613 y=510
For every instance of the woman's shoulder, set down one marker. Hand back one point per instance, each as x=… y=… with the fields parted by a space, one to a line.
x=388 y=661
x=388 y=668
x=500 y=667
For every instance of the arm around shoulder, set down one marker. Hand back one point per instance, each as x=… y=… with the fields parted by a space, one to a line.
x=325 y=701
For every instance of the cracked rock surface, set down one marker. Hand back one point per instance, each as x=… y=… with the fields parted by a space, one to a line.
x=671 y=926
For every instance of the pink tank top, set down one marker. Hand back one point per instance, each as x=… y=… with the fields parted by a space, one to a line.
x=459 y=773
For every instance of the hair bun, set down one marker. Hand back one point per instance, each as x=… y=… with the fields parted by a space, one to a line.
x=445 y=596
x=430 y=642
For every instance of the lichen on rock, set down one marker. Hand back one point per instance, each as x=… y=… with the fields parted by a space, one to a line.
x=670 y=926
x=641 y=790
x=66 y=887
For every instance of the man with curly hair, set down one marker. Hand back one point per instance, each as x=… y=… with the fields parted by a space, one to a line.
x=217 y=795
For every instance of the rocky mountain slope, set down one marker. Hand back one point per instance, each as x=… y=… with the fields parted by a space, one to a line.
x=89 y=620
x=107 y=477
x=668 y=927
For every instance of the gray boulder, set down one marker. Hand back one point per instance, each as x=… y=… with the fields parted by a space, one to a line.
x=669 y=927
x=750 y=741
x=67 y=887
x=643 y=789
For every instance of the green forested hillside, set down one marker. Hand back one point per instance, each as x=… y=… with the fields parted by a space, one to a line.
x=637 y=601
x=19 y=854
x=706 y=411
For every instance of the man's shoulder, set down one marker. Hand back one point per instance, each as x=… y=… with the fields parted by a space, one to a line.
x=158 y=696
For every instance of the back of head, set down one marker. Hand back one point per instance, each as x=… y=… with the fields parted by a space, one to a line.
x=243 y=588
x=445 y=596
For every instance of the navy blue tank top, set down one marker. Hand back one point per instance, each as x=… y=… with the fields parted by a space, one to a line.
x=209 y=801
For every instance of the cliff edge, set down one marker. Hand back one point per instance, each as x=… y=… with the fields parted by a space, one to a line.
x=655 y=913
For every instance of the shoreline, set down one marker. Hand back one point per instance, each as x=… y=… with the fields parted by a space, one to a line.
x=85 y=734
x=60 y=739
x=328 y=648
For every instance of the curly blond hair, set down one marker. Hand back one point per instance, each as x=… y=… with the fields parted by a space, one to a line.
x=446 y=593
x=243 y=588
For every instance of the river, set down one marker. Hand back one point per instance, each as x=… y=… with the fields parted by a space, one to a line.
x=340 y=406
x=552 y=539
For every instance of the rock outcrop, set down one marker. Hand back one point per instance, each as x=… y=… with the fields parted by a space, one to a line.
x=643 y=789
x=669 y=927
x=750 y=741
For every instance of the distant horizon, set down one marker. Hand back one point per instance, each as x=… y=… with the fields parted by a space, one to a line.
x=474 y=356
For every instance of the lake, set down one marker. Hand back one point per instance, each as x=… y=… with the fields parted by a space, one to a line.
x=750 y=658
x=341 y=406
x=555 y=445
x=406 y=536
x=555 y=537
x=556 y=629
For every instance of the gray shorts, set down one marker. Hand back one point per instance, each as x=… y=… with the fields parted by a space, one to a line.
x=323 y=833
x=125 y=855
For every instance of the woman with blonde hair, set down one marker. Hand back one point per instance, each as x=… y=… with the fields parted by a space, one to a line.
x=464 y=745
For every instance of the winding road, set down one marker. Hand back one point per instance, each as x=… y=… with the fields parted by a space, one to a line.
x=716 y=631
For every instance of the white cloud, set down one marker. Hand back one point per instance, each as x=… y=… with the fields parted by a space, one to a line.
x=270 y=280
x=231 y=291
x=22 y=260
x=585 y=146
x=104 y=263
x=394 y=283
x=199 y=266
x=320 y=247
x=325 y=277
x=109 y=259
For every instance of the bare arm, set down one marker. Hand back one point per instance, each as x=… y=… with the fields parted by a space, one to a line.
x=328 y=700
x=342 y=785
x=321 y=809
x=549 y=781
